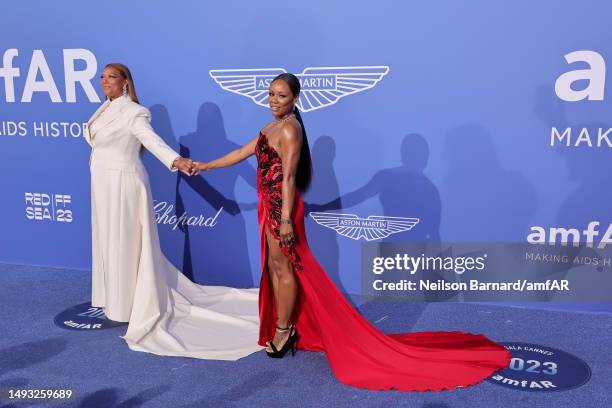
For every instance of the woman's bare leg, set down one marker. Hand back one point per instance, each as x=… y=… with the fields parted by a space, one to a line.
x=286 y=287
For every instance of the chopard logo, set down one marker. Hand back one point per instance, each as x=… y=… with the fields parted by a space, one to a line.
x=321 y=87
x=372 y=228
x=165 y=214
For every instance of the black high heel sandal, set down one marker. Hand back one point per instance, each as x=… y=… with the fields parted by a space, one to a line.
x=289 y=344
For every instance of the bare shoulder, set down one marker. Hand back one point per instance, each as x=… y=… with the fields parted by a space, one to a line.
x=267 y=127
x=290 y=132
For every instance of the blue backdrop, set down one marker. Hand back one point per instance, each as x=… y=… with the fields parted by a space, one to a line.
x=462 y=120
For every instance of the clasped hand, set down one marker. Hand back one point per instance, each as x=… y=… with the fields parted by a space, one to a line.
x=286 y=235
x=190 y=167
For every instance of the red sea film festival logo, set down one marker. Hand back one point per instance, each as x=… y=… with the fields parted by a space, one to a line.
x=48 y=207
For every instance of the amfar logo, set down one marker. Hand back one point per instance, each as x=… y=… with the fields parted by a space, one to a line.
x=595 y=75
x=84 y=317
x=554 y=235
x=595 y=78
x=38 y=67
x=321 y=87
x=371 y=228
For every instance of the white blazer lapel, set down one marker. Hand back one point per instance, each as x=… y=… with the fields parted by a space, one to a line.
x=112 y=111
x=101 y=108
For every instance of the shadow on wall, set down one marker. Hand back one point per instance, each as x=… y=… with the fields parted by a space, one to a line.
x=588 y=167
x=216 y=255
x=324 y=241
x=403 y=191
x=215 y=251
x=483 y=202
x=486 y=203
x=164 y=187
x=589 y=197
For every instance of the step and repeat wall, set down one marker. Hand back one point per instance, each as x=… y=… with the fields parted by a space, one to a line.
x=427 y=122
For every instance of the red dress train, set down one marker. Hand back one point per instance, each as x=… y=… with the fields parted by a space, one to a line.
x=358 y=353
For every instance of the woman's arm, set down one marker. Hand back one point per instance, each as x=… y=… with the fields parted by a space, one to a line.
x=141 y=128
x=290 y=146
x=229 y=159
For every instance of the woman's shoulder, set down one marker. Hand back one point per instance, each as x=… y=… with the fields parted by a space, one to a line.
x=290 y=130
x=135 y=109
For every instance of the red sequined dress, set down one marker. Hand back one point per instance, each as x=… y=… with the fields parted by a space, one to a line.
x=358 y=353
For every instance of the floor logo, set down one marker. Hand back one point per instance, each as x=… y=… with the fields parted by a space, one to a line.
x=84 y=317
x=541 y=368
x=371 y=228
x=321 y=87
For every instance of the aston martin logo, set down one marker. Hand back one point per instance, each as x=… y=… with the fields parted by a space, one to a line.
x=371 y=228
x=321 y=87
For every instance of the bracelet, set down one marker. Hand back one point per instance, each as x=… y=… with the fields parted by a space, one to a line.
x=286 y=222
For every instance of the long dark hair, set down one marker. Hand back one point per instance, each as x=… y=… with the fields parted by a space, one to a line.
x=304 y=169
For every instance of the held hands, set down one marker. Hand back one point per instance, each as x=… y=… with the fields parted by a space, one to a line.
x=200 y=167
x=184 y=165
x=190 y=167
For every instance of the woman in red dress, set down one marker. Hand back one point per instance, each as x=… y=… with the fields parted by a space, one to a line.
x=299 y=306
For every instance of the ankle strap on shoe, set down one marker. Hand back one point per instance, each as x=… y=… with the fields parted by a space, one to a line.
x=283 y=329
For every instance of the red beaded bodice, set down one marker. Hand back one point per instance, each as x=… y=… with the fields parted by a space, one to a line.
x=269 y=187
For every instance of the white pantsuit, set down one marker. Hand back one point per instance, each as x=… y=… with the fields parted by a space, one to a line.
x=131 y=278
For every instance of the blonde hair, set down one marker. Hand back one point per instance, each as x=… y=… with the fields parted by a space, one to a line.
x=127 y=75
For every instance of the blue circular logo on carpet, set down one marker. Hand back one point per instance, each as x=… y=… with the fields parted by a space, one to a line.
x=541 y=368
x=84 y=317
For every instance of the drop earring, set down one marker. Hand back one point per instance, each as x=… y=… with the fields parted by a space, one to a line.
x=125 y=89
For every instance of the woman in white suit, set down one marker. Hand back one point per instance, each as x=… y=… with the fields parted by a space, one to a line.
x=131 y=278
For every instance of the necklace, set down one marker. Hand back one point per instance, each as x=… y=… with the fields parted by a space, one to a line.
x=284 y=119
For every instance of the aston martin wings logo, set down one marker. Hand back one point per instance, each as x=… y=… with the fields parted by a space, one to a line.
x=371 y=228
x=321 y=87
